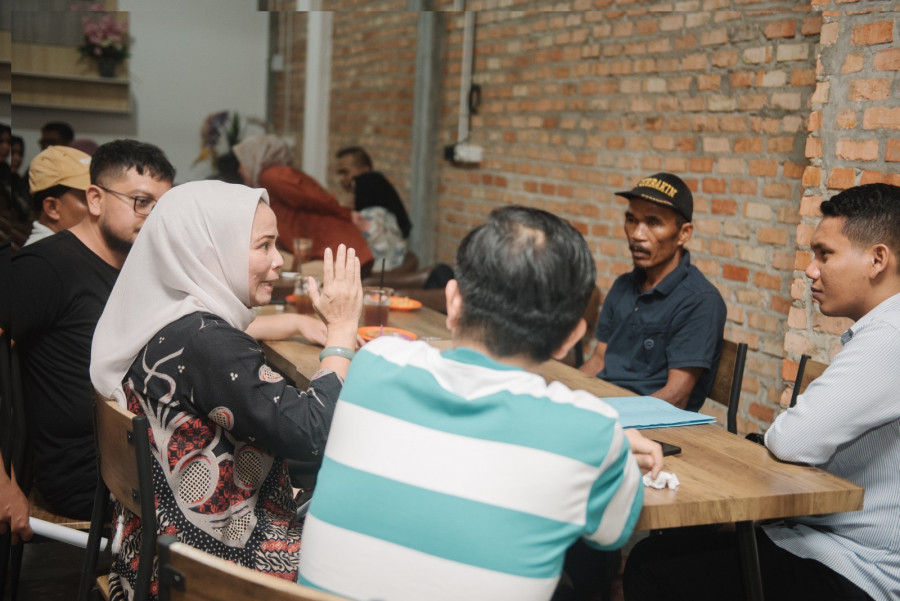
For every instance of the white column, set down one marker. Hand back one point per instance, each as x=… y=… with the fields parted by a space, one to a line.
x=318 y=89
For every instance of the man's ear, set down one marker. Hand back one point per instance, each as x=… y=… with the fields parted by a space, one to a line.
x=454 y=304
x=50 y=207
x=684 y=235
x=94 y=196
x=571 y=340
x=881 y=259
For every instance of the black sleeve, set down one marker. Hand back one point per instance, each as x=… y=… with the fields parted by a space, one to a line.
x=231 y=383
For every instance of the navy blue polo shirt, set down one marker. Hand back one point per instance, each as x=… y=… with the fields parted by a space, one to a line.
x=679 y=323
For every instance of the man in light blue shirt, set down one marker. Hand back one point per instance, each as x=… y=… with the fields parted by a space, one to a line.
x=847 y=423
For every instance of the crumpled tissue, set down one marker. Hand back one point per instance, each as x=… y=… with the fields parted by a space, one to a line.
x=663 y=480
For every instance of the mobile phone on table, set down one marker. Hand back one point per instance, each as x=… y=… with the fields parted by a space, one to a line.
x=668 y=449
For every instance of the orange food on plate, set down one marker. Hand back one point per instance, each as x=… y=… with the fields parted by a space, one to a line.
x=370 y=332
x=404 y=303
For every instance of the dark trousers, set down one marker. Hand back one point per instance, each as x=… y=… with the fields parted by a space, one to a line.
x=694 y=566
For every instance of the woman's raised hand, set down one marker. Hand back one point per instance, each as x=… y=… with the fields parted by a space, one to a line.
x=339 y=303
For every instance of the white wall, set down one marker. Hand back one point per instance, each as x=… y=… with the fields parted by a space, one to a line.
x=189 y=58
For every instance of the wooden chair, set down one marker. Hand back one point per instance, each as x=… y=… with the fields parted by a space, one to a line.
x=188 y=574
x=726 y=387
x=123 y=462
x=807 y=371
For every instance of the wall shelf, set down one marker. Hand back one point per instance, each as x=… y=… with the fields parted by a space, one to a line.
x=55 y=77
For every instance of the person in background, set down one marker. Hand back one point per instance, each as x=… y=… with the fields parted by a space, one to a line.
x=378 y=211
x=461 y=474
x=206 y=256
x=661 y=325
x=847 y=422
x=56 y=133
x=85 y=145
x=59 y=177
x=60 y=286
x=303 y=207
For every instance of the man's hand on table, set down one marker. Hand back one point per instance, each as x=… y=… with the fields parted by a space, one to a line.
x=647 y=452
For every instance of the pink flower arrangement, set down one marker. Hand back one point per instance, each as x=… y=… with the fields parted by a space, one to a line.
x=104 y=37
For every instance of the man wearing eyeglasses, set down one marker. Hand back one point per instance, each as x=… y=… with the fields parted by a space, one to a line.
x=60 y=287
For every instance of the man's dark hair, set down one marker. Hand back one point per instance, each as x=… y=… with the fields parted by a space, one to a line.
x=5 y=129
x=525 y=278
x=113 y=159
x=360 y=156
x=37 y=199
x=65 y=131
x=872 y=213
x=13 y=140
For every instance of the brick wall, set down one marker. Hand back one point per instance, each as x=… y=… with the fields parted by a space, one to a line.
x=577 y=104
x=854 y=138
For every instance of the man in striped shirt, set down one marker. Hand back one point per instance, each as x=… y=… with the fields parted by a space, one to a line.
x=462 y=474
x=847 y=423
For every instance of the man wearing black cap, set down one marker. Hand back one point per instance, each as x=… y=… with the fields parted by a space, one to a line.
x=660 y=329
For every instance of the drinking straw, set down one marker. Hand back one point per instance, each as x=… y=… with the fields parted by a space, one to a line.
x=380 y=305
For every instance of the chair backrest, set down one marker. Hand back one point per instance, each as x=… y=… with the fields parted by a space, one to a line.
x=118 y=440
x=123 y=458
x=188 y=574
x=726 y=386
x=807 y=371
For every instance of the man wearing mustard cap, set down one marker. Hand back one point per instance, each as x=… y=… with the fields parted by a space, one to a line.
x=58 y=178
x=660 y=329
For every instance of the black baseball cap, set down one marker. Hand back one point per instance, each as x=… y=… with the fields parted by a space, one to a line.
x=664 y=189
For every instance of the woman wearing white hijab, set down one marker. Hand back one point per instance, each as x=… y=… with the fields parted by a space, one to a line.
x=171 y=345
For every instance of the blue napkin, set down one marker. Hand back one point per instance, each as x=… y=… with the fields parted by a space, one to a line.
x=651 y=412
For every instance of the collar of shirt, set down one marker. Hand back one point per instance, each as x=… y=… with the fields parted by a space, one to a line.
x=670 y=282
x=887 y=305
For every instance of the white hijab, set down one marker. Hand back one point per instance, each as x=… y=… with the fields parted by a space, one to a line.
x=258 y=153
x=193 y=254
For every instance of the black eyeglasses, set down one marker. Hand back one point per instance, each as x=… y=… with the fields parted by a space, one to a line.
x=142 y=204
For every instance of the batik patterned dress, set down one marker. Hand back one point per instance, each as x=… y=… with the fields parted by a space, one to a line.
x=220 y=422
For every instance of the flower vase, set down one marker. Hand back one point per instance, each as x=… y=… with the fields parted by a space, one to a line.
x=107 y=66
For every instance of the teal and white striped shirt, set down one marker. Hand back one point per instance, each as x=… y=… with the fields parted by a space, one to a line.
x=452 y=476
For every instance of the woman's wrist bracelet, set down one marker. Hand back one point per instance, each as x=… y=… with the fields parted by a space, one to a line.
x=337 y=351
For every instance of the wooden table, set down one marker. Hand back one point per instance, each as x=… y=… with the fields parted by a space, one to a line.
x=724 y=478
x=299 y=360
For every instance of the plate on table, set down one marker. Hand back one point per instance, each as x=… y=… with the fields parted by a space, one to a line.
x=370 y=332
x=404 y=303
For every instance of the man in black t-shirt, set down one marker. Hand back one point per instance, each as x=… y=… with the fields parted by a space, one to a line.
x=60 y=287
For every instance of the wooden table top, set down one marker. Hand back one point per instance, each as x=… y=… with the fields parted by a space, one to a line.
x=724 y=478
x=299 y=360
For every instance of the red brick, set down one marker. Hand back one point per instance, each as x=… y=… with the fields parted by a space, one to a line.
x=853 y=63
x=829 y=33
x=892 y=153
x=880 y=32
x=869 y=89
x=852 y=150
x=815 y=121
x=769 y=235
x=813 y=148
x=780 y=29
x=762 y=168
x=766 y=414
x=840 y=179
x=713 y=185
x=812 y=176
x=735 y=272
x=811 y=25
x=846 y=119
x=701 y=164
x=881 y=118
x=887 y=60
x=722 y=206
x=748 y=145
x=767 y=280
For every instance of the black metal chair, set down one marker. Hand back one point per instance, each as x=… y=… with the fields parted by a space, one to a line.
x=727 y=382
x=807 y=371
